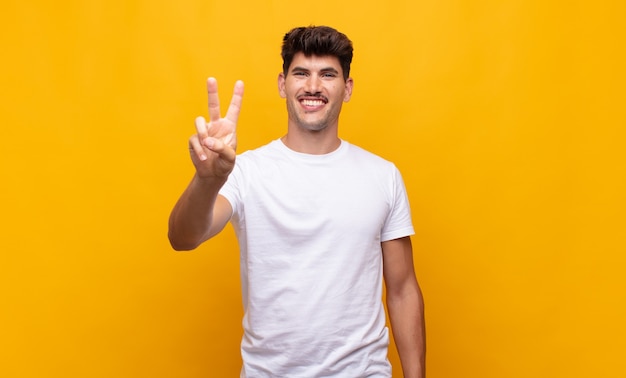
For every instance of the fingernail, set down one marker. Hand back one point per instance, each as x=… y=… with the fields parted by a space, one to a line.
x=202 y=157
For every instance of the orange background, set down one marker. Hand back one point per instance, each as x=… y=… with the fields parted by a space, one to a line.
x=506 y=118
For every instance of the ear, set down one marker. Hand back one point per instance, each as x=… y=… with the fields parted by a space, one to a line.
x=348 y=90
x=281 y=85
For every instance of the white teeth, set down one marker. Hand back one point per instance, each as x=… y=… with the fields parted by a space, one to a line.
x=312 y=102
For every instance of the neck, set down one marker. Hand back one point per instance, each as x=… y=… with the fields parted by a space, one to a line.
x=312 y=142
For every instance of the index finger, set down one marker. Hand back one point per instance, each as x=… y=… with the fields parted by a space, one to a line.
x=214 y=101
x=235 y=103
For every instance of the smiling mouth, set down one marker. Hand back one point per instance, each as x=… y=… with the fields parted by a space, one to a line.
x=307 y=102
x=310 y=100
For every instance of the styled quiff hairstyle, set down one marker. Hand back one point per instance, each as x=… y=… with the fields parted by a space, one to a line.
x=318 y=41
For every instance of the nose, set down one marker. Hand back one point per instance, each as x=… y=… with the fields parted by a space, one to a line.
x=312 y=84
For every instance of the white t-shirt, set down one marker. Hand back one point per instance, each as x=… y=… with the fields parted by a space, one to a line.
x=309 y=230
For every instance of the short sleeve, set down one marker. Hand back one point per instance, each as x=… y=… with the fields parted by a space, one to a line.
x=398 y=223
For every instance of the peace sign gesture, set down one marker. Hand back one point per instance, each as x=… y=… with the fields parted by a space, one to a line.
x=213 y=147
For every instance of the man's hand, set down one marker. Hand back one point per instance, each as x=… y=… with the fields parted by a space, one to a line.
x=213 y=148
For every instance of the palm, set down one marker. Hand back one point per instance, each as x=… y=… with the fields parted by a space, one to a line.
x=224 y=130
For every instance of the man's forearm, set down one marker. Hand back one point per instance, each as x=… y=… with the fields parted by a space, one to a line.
x=406 y=314
x=191 y=218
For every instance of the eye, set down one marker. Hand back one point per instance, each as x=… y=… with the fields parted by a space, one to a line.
x=299 y=73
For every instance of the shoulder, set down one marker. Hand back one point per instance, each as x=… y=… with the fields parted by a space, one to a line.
x=365 y=157
x=253 y=156
x=269 y=148
x=363 y=153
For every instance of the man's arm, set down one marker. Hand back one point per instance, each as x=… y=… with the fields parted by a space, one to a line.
x=200 y=212
x=405 y=305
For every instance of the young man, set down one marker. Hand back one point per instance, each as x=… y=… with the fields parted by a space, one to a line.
x=319 y=221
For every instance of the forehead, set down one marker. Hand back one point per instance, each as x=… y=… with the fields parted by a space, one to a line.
x=315 y=62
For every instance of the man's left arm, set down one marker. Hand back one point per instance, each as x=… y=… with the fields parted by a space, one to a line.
x=405 y=305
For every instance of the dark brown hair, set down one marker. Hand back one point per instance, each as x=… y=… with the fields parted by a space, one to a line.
x=319 y=41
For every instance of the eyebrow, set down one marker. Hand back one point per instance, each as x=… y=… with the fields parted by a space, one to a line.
x=323 y=70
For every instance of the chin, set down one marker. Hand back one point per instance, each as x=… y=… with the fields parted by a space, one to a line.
x=313 y=126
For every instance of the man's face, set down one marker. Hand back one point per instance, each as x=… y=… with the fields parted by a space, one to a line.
x=314 y=89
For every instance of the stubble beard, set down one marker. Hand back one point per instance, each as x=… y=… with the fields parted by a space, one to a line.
x=314 y=126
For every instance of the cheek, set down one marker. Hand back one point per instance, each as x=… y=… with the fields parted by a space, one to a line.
x=288 y=91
